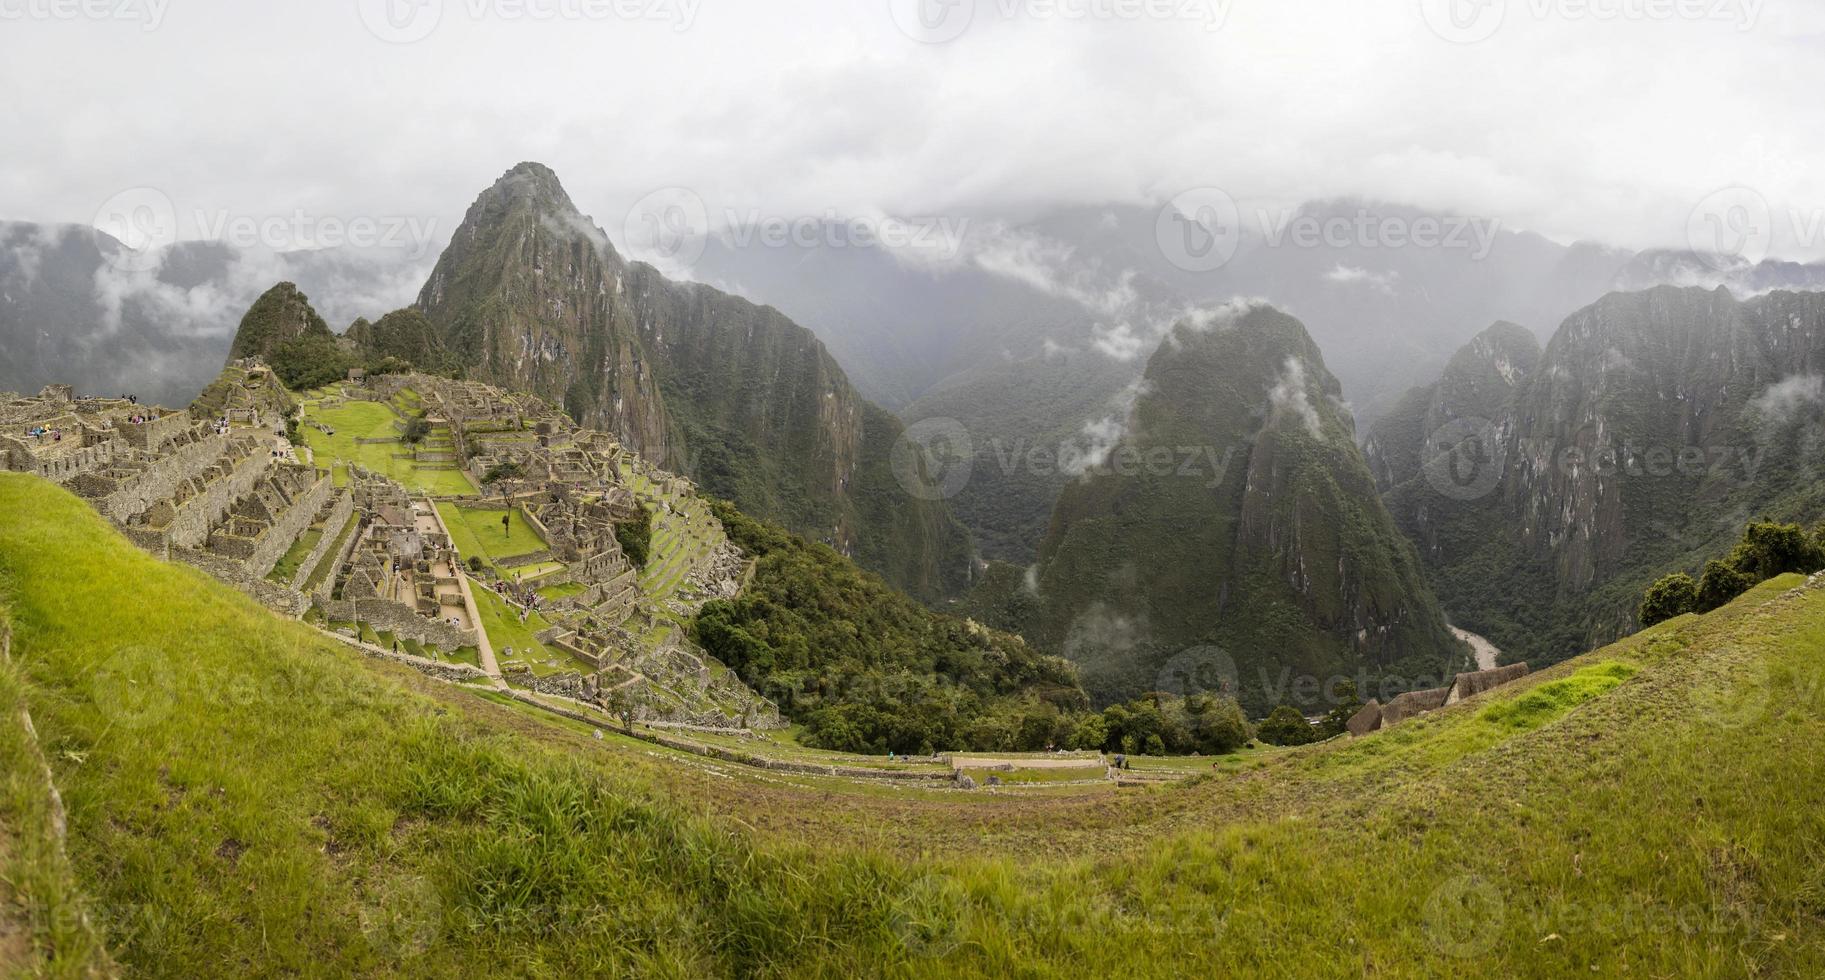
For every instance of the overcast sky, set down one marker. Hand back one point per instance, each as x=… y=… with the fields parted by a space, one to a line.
x=1600 y=119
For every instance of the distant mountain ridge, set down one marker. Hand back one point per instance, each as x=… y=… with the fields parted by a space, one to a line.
x=1654 y=425
x=77 y=306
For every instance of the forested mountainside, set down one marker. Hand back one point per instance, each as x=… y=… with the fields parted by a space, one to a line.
x=1234 y=514
x=1544 y=497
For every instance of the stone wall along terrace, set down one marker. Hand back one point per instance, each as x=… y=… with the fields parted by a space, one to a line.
x=338 y=518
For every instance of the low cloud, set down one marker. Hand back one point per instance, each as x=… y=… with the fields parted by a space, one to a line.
x=1100 y=436
x=1101 y=630
x=1348 y=275
x=1783 y=400
x=1288 y=398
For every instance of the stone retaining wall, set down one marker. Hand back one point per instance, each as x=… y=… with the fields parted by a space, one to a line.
x=161 y=479
x=278 y=598
x=328 y=586
x=441 y=670
x=154 y=435
x=338 y=517
x=285 y=532
x=190 y=527
x=387 y=616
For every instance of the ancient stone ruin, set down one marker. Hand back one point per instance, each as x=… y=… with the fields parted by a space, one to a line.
x=1375 y=715
x=221 y=487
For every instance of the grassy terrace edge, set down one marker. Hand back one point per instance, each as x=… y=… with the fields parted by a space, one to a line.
x=244 y=792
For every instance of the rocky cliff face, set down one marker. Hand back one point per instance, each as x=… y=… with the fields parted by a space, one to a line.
x=531 y=295
x=1235 y=514
x=1655 y=425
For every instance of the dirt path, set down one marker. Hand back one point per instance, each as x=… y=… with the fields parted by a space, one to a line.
x=1486 y=652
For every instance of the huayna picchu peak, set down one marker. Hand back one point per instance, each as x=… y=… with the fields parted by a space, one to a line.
x=531 y=295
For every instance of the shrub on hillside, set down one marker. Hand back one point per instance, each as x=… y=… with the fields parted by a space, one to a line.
x=866 y=669
x=1769 y=549
x=1721 y=583
x=1337 y=720
x=636 y=538
x=310 y=361
x=1674 y=595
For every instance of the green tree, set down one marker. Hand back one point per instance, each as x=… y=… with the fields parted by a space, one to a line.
x=1769 y=549
x=1285 y=726
x=636 y=537
x=1720 y=583
x=509 y=470
x=1347 y=703
x=1091 y=733
x=1674 y=595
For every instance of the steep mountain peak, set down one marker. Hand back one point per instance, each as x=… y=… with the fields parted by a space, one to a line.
x=1267 y=505
x=534 y=181
x=282 y=314
x=531 y=296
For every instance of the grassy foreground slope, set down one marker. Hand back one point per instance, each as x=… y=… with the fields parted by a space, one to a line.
x=247 y=797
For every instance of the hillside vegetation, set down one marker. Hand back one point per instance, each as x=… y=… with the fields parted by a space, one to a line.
x=245 y=795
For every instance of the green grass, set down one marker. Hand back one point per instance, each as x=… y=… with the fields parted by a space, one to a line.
x=477 y=531
x=47 y=924
x=1550 y=700
x=327 y=565
x=356 y=420
x=247 y=796
x=502 y=623
x=287 y=568
x=562 y=591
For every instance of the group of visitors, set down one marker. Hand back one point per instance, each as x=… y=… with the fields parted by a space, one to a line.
x=525 y=597
x=39 y=432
